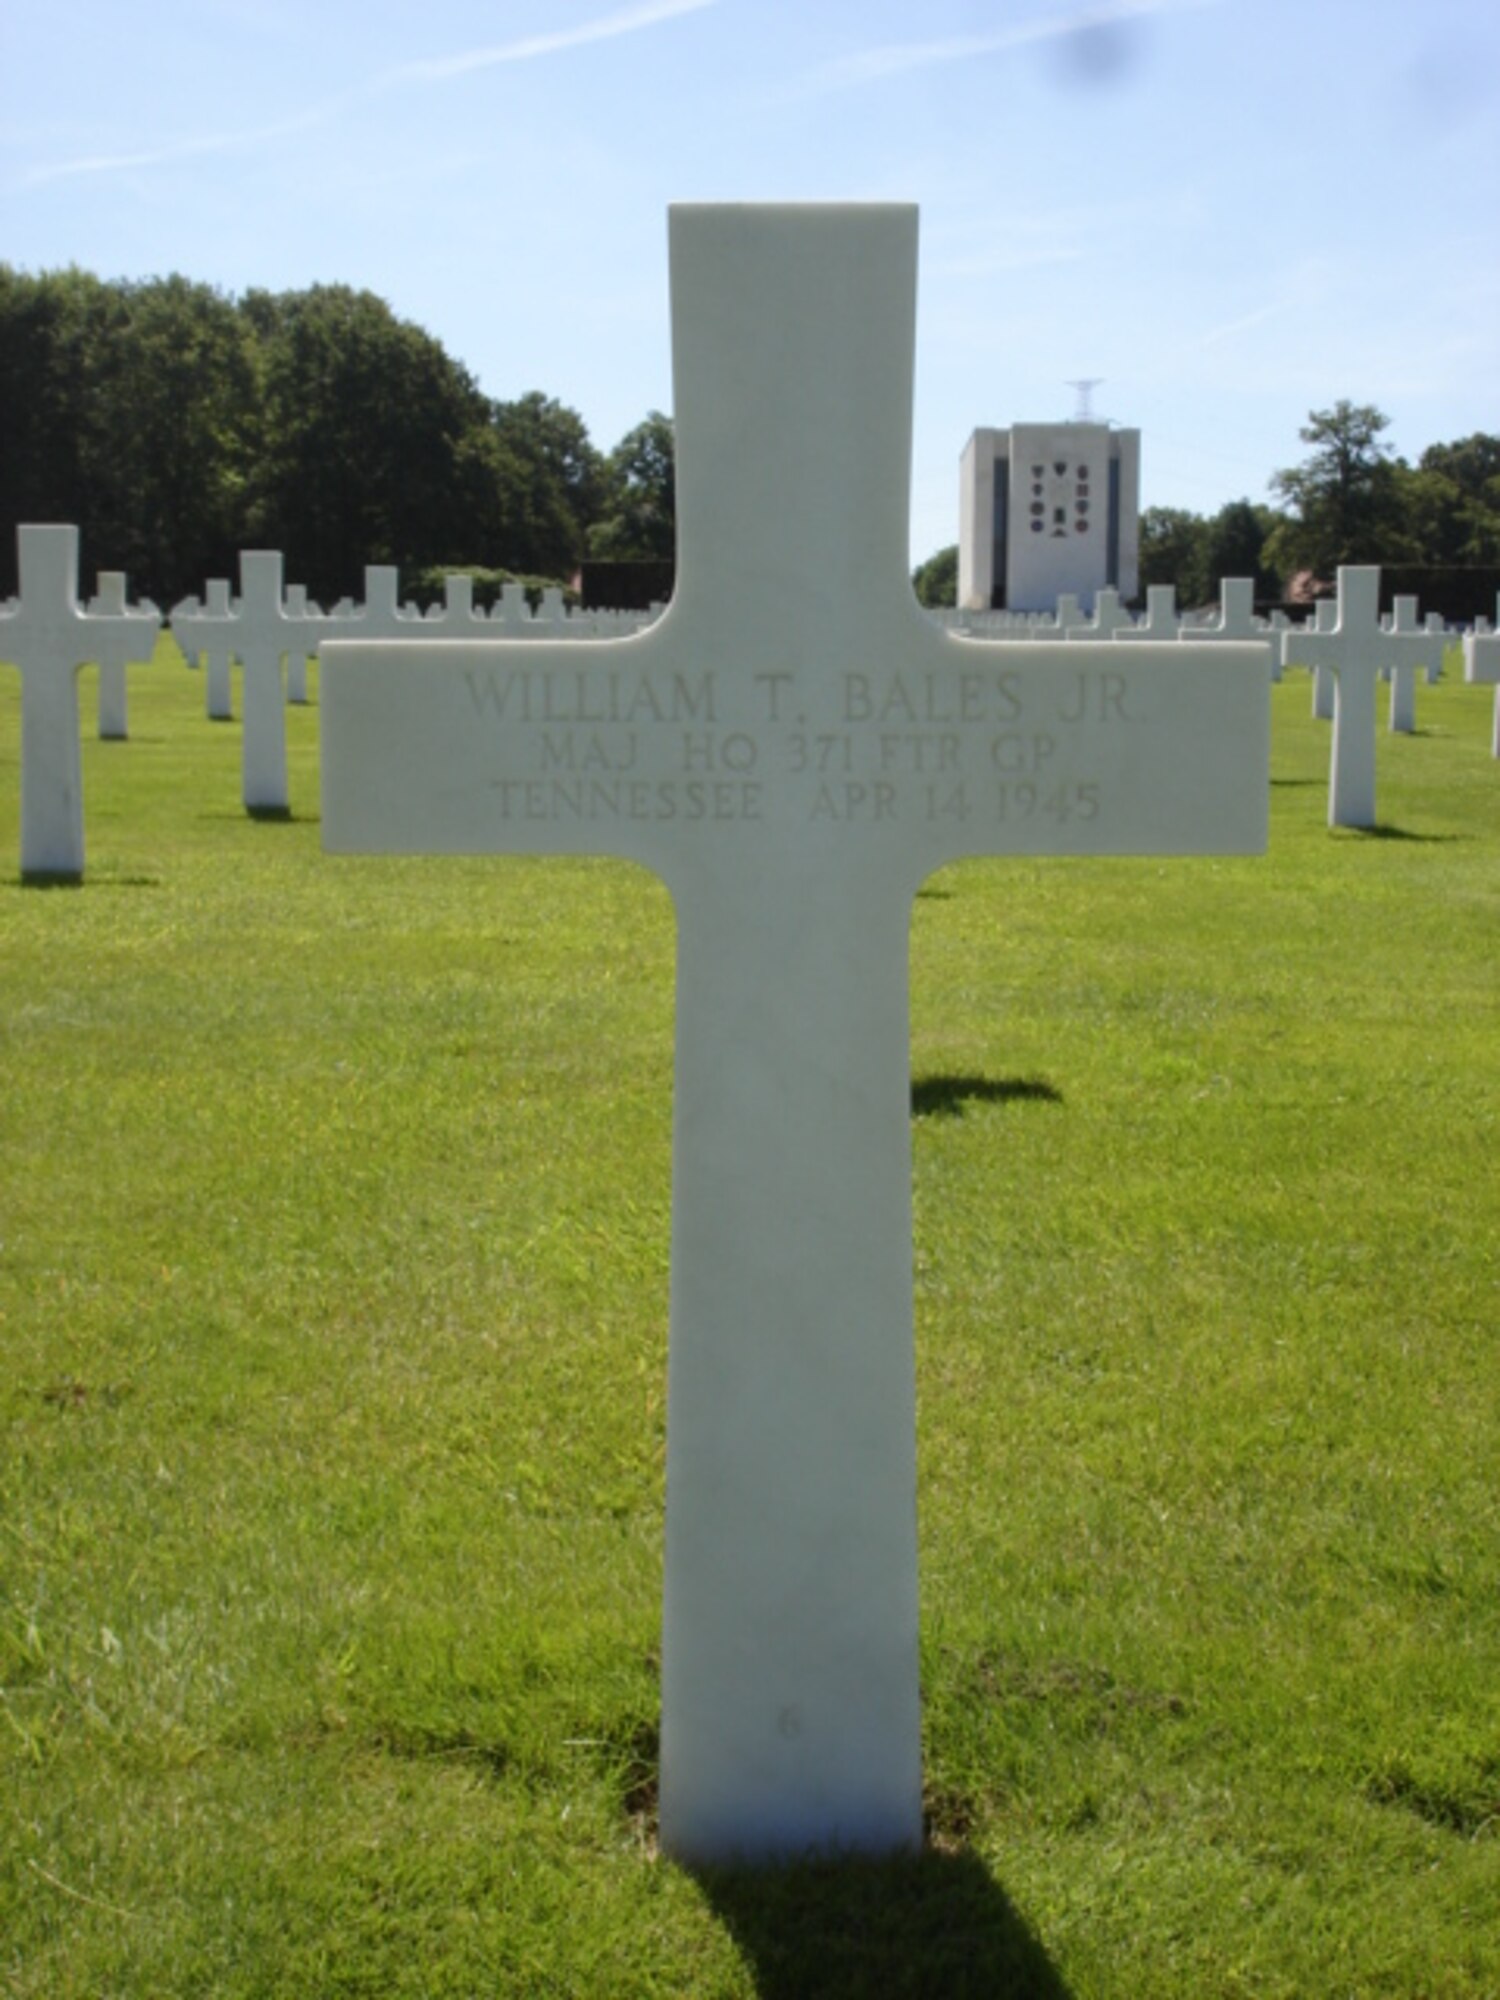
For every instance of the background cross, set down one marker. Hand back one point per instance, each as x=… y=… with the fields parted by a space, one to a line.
x=49 y=638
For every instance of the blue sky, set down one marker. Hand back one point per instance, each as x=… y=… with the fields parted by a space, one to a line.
x=1233 y=211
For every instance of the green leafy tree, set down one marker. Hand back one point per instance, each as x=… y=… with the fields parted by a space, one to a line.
x=1454 y=499
x=183 y=434
x=42 y=406
x=129 y=409
x=1233 y=544
x=374 y=441
x=936 y=580
x=639 y=515
x=1343 y=498
x=1173 y=545
x=550 y=485
x=549 y=430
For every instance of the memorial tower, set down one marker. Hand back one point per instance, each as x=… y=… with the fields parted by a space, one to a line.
x=1048 y=508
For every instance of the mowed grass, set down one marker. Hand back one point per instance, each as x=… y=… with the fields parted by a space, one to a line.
x=334 y=1201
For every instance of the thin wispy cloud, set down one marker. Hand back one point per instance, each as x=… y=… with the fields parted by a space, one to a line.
x=182 y=149
x=436 y=69
x=1005 y=263
x=1231 y=327
x=1100 y=232
x=900 y=58
x=630 y=21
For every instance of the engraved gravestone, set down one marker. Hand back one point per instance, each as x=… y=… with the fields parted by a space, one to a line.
x=793 y=747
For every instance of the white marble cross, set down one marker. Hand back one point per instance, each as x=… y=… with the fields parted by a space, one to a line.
x=552 y=612
x=128 y=639
x=1110 y=616
x=381 y=615
x=793 y=747
x=512 y=615
x=309 y=622
x=1325 y=616
x=1482 y=665
x=1352 y=651
x=207 y=630
x=1436 y=622
x=1160 y=622
x=263 y=635
x=49 y=638
x=457 y=612
x=1236 y=620
x=1408 y=648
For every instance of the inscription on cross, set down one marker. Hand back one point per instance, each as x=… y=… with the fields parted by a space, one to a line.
x=49 y=638
x=793 y=747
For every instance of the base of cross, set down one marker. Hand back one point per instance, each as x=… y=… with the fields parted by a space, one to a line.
x=51 y=878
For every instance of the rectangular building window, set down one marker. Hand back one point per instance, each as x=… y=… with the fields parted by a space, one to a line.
x=1002 y=519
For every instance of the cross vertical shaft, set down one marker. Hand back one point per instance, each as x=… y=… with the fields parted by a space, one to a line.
x=789 y=1653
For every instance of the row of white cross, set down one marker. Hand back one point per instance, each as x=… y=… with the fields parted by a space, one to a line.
x=49 y=637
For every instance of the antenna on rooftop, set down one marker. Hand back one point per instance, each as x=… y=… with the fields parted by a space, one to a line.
x=1085 y=385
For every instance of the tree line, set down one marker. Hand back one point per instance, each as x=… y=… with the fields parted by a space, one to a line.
x=1349 y=501
x=177 y=425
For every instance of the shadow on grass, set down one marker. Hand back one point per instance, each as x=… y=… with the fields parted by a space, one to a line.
x=270 y=815
x=48 y=878
x=1381 y=831
x=946 y=1096
x=1296 y=784
x=935 y=1923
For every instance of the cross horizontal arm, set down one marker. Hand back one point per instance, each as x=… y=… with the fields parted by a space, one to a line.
x=642 y=748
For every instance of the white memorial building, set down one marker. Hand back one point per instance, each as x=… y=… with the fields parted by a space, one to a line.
x=1048 y=508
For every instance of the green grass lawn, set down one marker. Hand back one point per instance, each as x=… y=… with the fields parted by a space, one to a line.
x=334 y=1204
